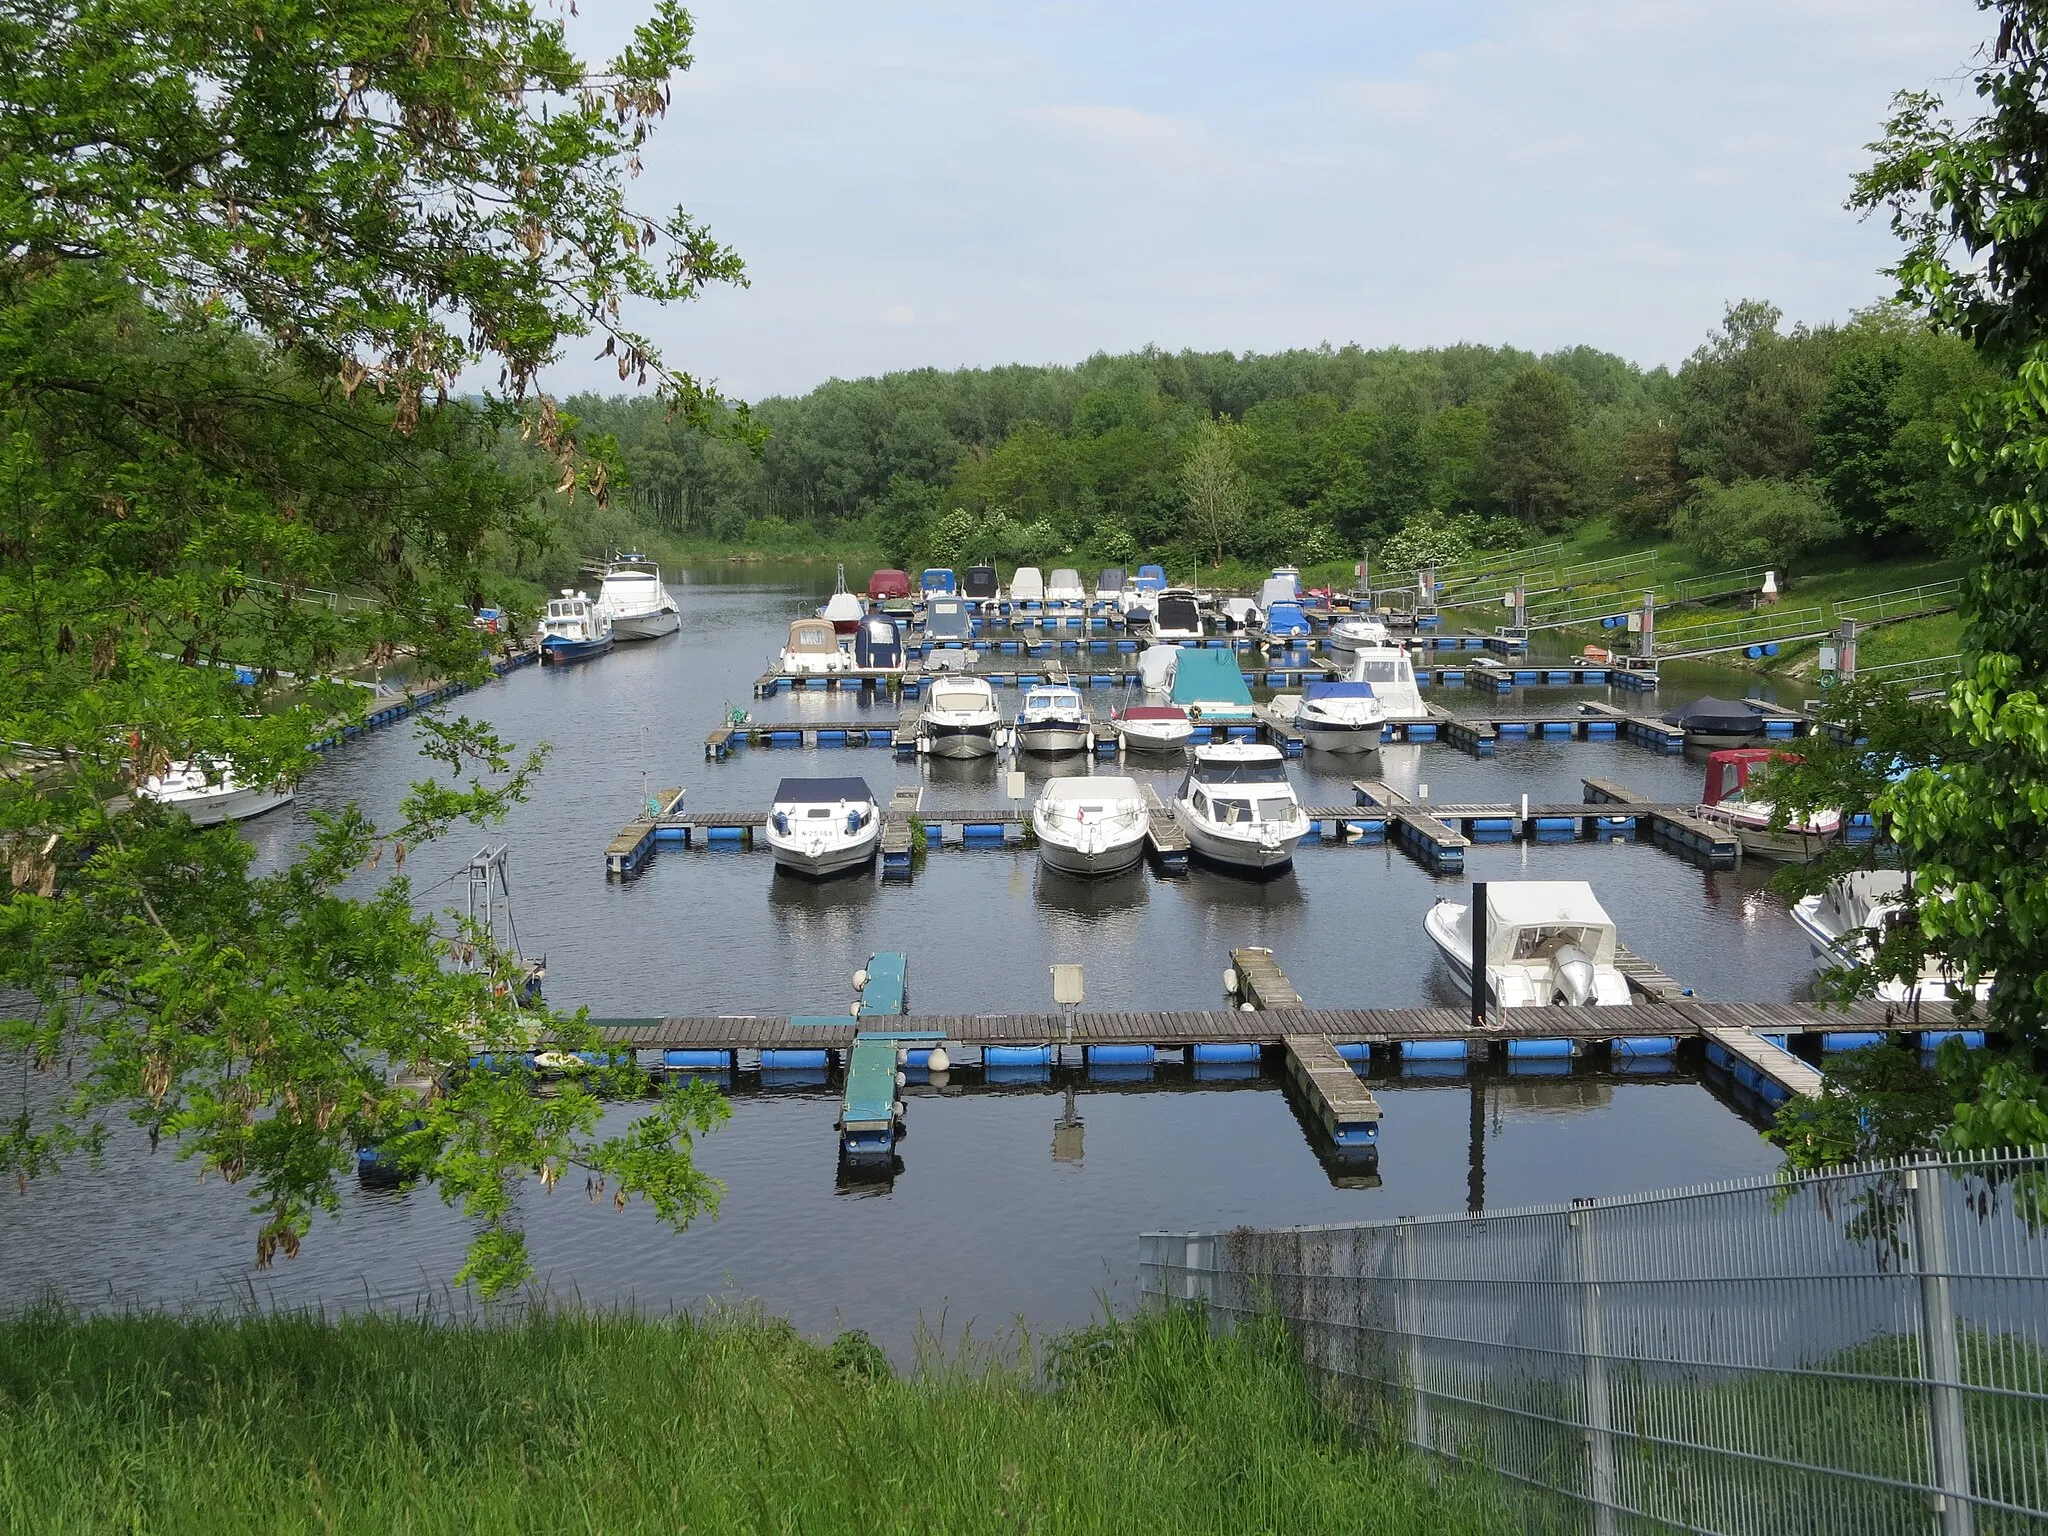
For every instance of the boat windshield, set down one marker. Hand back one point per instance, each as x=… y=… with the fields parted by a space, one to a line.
x=1218 y=774
x=1541 y=942
x=1381 y=669
x=960 y=701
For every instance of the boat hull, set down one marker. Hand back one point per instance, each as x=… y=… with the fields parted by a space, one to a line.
x=646 y=626
x=1235 y=852
x=959 y=740
x=1719 y=739
x=1161 y=743
x=830 y=860
x=558 y=652
x=238 y=804
x=1339 y=736
x=1112 y=859
x=1791 y=846
x=1052 y=738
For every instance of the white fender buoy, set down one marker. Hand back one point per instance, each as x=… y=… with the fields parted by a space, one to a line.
x=901 y=1079
x=854 y=1010
x=860 y=981
x=902 y=1056
x=1230 y=980
x=1247 y=1008
x=938 y=1061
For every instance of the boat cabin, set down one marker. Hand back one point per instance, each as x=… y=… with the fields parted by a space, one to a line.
x=811 y=637
x=937 y=580
x=1177 y=615
x=1027 y=585
x=1729 y=771
x=1150 y=578
x=1392 y=676
x=847 y=801
x=1064 y=586
x=1109 y=585
x=1053 y=699
x=980 y=583
x=946 y=621
x=1530 y=920
x=888 y=585
x=878 y=645
x=1239 y=782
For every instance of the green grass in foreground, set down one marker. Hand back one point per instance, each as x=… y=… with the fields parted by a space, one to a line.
x=601 y=1423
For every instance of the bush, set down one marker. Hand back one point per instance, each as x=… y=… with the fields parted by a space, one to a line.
x=1754 y=522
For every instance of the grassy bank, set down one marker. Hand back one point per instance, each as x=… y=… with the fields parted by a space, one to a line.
x=610 y=1424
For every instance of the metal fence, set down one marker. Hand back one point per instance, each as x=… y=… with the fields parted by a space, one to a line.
x=1856 y=1352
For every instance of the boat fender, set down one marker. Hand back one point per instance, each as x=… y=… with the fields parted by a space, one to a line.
x=1248 y=1007
x=854 y=1010
x=1230 y=981
x=860 y=981
x=901 y=1079
x=938 y=1060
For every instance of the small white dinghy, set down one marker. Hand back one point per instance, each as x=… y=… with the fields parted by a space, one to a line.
x=1153 y=727
x=1547 y=941
x=1356 y=634
x=210 y=794
x=1091 y=826
x=1238 y=807
x=823 y=826
x=1053 y=721
x=1848 y=920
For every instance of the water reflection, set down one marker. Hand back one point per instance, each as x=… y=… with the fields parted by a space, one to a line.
x=1092 y=896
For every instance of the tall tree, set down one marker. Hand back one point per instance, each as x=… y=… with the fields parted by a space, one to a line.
x=1748 y=395
x=1853 y=430
x=1212 y=486
x=249 y=249
x=1653 y=482
x=1535 y=455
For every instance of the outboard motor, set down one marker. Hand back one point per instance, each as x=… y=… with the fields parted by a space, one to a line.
x=1574 y=973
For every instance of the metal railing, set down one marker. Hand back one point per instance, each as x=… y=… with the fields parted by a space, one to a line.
x=1613 y=568
x=1861 y=1351
x=1771 y=625
x=1901 y=602
x=1924 y=672
x=1720 y=584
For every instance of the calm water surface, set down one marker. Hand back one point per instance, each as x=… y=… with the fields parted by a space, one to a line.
x=984 y=1225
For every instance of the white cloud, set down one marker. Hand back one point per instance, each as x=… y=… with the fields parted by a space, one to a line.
x=1049 y=181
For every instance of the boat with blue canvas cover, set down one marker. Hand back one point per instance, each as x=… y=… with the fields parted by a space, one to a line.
x=574 y=629
x=824 y=826
x=938 y=581
x=1208 y=685
x=1340 y=716
x=1286 y=621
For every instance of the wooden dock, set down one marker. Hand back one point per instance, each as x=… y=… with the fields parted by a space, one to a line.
x=626 y=854
x=897 y=832
x=1339 y=1103
x=1377 y=1027
x=1163 y=836
x=1441 y=850
x=1679 y=830
x=1260 y=981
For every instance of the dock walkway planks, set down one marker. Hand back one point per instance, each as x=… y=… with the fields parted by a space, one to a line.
x=1162 y=833
x=1439 y=847
x=1687 y=1019
x=1345 y=1108
x=1260 y=981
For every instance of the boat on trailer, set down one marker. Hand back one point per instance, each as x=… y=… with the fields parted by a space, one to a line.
x=1091 y=826
x=1547 y=941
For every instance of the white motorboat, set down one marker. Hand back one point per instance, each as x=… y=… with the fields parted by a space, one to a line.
x=1064 y=586
x=574 y=629
x=210 y=794
x=1027 y=585
x=1156 y=667
x=1110 y=585
x=1240 y=615
x=641 y=608
x=843 y=610
x=1153 y=727
x=1728 y=802
x=1091 y=826
x=1176 y=616
x=1848 y=920
x=1054 y=720
x=1354 y=634
x=960 y=719
x=813 y=650
x=1340 y=716
x=822 y=826
x=1392 y=676
x=1547 y=941
x=1238 y=808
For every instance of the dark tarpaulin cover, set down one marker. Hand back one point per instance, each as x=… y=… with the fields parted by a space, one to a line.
x=1721 y=716
x=821 y=791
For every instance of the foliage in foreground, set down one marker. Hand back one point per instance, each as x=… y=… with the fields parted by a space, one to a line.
x=607 y=1423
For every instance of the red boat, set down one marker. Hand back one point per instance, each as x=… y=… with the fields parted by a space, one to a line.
x=1727 y=801
x=888 y=585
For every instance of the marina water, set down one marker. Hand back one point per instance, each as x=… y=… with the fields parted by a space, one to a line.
x=1003 y=1211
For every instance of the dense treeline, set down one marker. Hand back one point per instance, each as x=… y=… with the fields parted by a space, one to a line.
x=1765 y=442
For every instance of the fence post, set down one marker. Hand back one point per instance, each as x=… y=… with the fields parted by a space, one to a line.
x=1198 y=1282
x=1593 y=1340
x=1411 y=1333
x=1941 y=1364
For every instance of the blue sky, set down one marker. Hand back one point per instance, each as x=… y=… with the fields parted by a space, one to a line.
x=969 y=184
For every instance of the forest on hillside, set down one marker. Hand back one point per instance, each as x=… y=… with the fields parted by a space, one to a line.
x=1767 y=441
